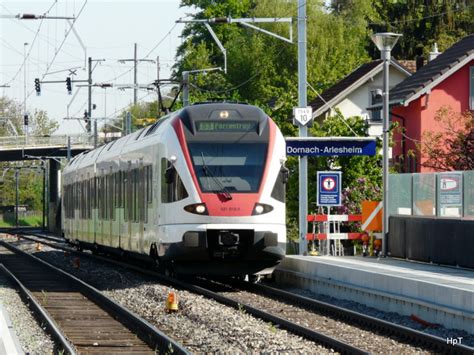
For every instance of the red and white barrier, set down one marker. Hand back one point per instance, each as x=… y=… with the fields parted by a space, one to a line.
x=315 y=218
x=333 y=236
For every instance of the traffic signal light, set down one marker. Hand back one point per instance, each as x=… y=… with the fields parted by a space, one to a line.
x=25 y=120
x=37 y=87
x=88 y=122
x=69 y=85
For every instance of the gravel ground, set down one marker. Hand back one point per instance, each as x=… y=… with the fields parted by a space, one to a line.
x=367 y=340
x=199 y=322
x=31 y=336
x=439 y=330
x=201 y=325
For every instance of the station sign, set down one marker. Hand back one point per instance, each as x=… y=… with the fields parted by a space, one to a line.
x=303 y=115
x=329 y=188
x=330 y=146
x=450 y=194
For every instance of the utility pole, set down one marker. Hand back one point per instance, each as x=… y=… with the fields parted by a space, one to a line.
x=185 y=88
x=25 y=115
x=303 y=130
x=89 y=99
x=158 y=86
x=135 y=74
x=17 y=195
x=135 y=61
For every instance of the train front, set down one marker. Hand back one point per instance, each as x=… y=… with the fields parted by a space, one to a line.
x=233 y=221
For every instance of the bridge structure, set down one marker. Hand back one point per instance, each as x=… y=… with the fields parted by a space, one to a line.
x=52 y=151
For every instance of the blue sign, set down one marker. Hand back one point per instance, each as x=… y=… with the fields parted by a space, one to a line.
x=334 y=146
x=329 y=188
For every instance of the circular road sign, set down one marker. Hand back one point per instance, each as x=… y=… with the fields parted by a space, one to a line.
x=329 y=184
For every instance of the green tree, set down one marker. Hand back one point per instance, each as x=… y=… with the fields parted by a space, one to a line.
x=30 y=174
x=422 y=23
x=39 y=123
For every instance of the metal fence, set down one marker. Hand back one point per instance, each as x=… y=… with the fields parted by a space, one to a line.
x=15 y=142
x=446 y=194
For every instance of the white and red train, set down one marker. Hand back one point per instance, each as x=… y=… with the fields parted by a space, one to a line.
x=201 y=191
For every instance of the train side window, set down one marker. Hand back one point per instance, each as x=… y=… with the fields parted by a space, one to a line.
x=278 y=192
x=172 y=187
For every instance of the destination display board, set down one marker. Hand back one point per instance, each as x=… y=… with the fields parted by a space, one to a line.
x=226 y=126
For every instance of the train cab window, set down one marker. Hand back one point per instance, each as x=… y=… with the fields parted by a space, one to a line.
x=233 y=167
x=172 y=187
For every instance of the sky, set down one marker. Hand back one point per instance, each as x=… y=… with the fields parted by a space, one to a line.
x=108 y=30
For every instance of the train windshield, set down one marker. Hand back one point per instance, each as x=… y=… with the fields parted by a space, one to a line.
x=224 y=167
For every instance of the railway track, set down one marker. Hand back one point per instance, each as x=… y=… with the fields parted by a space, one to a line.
x=292 y=306
x=80 y=318
x=287 y=306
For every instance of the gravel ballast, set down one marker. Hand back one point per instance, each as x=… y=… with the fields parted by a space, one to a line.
x=33 y=339
x=201 y=325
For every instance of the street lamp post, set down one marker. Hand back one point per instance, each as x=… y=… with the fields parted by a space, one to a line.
x=25 y=119
x=385 y=42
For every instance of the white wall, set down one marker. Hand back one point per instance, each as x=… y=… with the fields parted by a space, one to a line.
x=355 y=103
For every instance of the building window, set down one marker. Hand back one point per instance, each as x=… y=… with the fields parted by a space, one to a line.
x=471 y=88
x=375 y=98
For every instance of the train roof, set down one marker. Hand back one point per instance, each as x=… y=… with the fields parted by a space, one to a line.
x=198 y=111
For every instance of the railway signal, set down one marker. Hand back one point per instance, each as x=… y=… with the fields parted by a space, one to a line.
x=37 y=87
x=88 y=122
x=69 y=85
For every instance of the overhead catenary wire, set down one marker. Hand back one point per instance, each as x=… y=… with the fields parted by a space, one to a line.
x=31 y=46
x=60 y=46
x=325 y=102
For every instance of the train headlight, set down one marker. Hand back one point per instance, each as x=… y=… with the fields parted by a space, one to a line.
x=200 y=209
x=224 y=114
x=197 y=208
x=261 y=208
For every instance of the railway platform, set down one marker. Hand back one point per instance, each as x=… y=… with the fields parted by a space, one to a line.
x=9 y=344
x=434 y=294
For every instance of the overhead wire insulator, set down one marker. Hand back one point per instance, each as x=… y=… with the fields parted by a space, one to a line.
x=220 y=20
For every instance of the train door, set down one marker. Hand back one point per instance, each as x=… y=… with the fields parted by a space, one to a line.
x=115 y=222
x=100 y=208
x=135 y=220
x=126 y=230
x=94 y=182
x=118 y=207
x=88 y=207
x=109 y=208
x=141 y=204
x=77 y=214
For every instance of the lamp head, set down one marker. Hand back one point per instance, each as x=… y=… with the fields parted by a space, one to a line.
x=385 y=41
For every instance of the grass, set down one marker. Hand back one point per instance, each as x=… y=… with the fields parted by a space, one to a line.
x=30 y=221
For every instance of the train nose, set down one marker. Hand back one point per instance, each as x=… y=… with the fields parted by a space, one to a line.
x=228 y=239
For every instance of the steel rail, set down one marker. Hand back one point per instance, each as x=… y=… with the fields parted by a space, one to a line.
x=294 y=328
x=417 y=337
x=40 y=313
x=427 y=340
x=146 y=331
